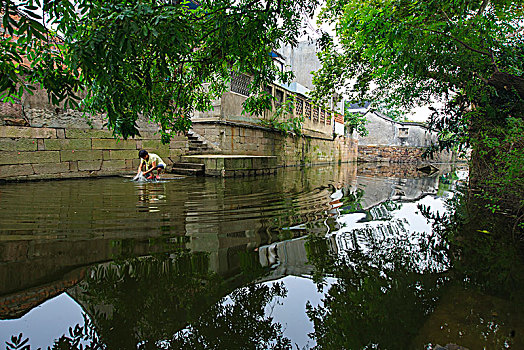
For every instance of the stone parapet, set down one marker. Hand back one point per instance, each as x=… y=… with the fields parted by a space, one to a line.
x=317 y=121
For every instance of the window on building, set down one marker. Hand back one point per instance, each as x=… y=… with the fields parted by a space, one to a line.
x=240 y=84
x=403 y=132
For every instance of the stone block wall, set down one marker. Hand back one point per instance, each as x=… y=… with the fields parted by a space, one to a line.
x=39 y=140
x=48 y=153
x=398 y=154
x=33 y=153
x=235 y=138
x=391 y=154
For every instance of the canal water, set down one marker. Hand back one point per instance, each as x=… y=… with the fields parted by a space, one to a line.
x=327 y=257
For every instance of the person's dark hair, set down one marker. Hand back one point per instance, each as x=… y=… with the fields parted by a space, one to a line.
x=142 y=153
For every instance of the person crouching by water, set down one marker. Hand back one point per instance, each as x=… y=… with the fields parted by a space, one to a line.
x=150 y=162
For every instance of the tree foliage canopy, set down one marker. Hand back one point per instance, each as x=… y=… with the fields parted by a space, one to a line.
x=163 y=59
x=411 y=52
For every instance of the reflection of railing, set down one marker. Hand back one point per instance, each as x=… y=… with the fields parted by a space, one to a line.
x=422 y=251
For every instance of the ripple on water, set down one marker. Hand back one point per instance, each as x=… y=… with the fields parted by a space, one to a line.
x=114 y=207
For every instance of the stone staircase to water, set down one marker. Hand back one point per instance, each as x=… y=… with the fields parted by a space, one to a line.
x=191 y=169
x=196 y=145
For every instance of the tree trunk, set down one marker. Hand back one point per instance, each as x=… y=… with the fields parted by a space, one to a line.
x=506 y=81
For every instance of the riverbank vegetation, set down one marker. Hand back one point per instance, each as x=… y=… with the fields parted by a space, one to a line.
x=466 y=55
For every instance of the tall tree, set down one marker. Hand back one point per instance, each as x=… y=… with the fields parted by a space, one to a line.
x=466 y=54
x=413 y=50
x=160 y=58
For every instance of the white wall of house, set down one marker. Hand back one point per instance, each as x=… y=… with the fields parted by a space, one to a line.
x=339 y=129
x=384 y=131
x=302 y=60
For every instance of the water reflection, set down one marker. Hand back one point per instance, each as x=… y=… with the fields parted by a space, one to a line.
x=150 y=196
x=239 y=323
x=377 y=301
x=229 y=263
x=142 y=300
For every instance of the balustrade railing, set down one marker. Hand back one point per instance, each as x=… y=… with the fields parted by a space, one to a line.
x=304 y=107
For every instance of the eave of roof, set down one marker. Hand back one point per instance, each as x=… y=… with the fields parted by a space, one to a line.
x=380 y=115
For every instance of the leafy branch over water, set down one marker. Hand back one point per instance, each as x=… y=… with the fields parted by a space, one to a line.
x=157 y=58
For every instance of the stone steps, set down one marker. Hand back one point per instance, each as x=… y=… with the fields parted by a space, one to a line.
x=186 y=165
x=224 y=165
x=197 y=148
x=196 y=145
x=191 y=169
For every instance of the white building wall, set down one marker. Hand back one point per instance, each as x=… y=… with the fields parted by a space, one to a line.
x=339 y=128
x=384 y=131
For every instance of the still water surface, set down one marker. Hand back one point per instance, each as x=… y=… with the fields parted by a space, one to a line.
x=329 y=257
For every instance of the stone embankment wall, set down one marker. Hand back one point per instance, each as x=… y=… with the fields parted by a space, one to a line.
x=397 y=142
x=41 y=141
x=392 y=154
x=48 y=153
x=398 y=154
x=236 y=138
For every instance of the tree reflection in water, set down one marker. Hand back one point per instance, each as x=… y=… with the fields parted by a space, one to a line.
x=152 y=299
x=241 y=323
x=145 y=302
x=487 y=249
x=377 y=301
x=462 y=283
